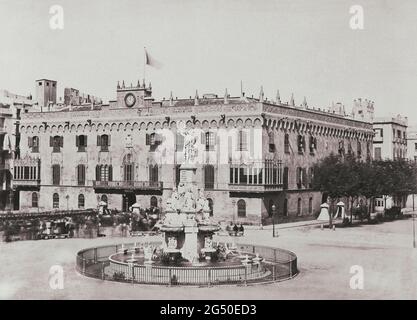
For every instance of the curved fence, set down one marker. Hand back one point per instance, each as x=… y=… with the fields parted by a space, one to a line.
x=278 y=265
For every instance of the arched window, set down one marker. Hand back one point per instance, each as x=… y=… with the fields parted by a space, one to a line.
x=81 y=201
x=81 y=174
x=285 y=207
x=153 y=173
x=104 y=172
x=179 y=142
x=34 y=200
x=285 y=177
x=56 y=142
x=241 y=208
x=55 y=201
x=154 y=202
x=208 y=139
x=210 y=203
x=310 y=205
x=56 y=174
x=208 y=177
x=242 y=141
x=270 y=211
x=299 y=207
x=103 y=142
x=310 y=177
x=104 y=198
x=287 y=143
x=128 y=168
x=34 y=143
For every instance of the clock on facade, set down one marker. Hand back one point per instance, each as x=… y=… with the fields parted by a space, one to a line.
x=130 y=100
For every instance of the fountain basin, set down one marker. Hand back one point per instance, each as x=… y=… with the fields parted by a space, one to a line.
x=107 y=263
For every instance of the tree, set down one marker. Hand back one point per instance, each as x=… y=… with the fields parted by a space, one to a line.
x=329 y=177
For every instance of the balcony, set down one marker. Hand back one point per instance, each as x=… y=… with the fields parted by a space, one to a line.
x=128 y=185
x=255 y=188
x=27 y=183
x=26 y=173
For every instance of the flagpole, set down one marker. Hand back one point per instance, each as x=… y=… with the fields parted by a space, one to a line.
x=144 y=64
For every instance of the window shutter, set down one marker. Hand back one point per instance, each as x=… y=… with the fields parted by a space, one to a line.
x=108 y=140
x=99 y=141
x=61 y=141
x=77 y=141
x=298 y=175
x=97 y=173
x=51 y=141
x=148 y=142
x=304 y=177
x=203 y=138
x=85 y=140
x=30 y=142
x=110 y=173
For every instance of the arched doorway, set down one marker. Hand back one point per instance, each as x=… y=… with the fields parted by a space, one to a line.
x=154 y=202
x=241 y=208
x=129 y=199
x=210 y=203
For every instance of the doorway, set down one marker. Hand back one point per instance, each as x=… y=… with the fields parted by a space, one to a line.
x=128 y=200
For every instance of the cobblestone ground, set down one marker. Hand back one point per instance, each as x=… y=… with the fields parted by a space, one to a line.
x=325 y=257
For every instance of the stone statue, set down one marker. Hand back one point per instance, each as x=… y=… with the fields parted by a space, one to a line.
x=202 y=203
x=188 y=200
x=173 y=203
x=190 y=139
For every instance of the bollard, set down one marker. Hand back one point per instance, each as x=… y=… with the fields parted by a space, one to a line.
x=334 y=228
x=321 y=226
x=102 y=271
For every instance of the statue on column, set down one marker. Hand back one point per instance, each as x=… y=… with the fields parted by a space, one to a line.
x=190 y=140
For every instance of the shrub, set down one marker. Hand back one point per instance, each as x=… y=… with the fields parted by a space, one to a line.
x=119 y=276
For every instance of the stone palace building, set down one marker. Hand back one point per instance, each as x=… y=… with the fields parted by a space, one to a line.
x=253 y=153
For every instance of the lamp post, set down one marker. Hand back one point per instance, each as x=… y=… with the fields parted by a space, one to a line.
x=274 y=211
x=414 y=228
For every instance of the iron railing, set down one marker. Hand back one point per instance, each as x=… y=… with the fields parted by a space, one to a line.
x=153 y=185
x=95 y=262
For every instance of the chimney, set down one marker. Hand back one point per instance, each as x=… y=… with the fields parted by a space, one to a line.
x=196 y=98
x=226 y=96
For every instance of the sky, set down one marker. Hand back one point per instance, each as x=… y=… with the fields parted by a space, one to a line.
x=297 y=46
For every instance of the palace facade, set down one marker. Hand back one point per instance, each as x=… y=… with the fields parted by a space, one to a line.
x=253 y=153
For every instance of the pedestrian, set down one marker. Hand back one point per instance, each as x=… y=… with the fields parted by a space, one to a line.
x=235 y=229
x=241 y=230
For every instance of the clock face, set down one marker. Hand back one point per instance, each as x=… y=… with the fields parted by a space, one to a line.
x=130 y=100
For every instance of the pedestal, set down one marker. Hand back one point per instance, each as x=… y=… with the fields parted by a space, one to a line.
x=190 y=249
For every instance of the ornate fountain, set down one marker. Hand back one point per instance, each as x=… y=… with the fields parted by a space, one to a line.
x=187 y=238
x=188 y=229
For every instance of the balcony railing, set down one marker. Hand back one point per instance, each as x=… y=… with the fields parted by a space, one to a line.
x=257 y=188
x=131 y=185
x=26 y=183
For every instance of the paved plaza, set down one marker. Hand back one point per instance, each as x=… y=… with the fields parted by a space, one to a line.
x=385 y=252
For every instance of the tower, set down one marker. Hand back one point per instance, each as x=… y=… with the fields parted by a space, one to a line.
x=45 y=92
x=134 y=96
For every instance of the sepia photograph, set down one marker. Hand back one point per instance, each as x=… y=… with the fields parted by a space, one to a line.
x=190 y=150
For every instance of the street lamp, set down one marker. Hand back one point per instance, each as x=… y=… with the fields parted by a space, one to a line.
x=414 y=228
x=274 y=212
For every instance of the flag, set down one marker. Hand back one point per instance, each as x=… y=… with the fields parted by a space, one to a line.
x=150 y=61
